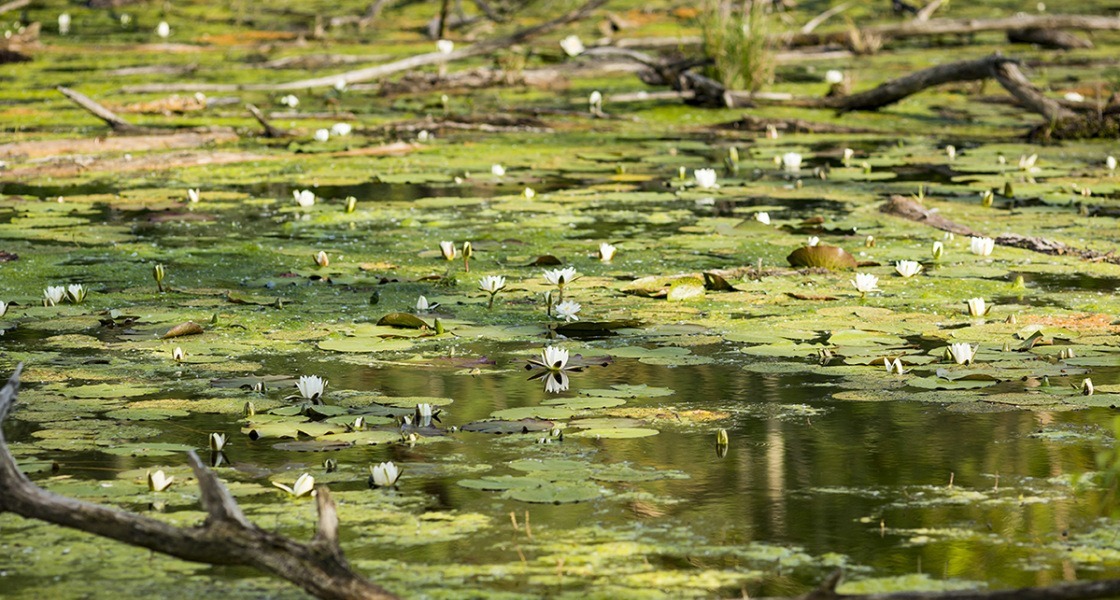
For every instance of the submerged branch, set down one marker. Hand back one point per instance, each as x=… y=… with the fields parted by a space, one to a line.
x=912 y=210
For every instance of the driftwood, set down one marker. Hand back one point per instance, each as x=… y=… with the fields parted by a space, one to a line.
x=117 y=124
x=13 y=5
x=910 y=209
x=938 y=27
x=270 y=130
x=225 y=538
x=134 y=143
x=761 y=125
x=1048 y=38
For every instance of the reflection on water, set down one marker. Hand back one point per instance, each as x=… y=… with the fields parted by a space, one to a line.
x=862 y=480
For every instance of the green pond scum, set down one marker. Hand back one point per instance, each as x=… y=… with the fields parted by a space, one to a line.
x=878 y=419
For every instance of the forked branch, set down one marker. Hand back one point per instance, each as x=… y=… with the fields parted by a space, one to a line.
x=226 y=538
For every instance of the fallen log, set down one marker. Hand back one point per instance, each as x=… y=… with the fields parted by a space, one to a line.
x=938 y=27
x=225 y=538
x=912 y=210
x=135 y=143
x=1048 y=38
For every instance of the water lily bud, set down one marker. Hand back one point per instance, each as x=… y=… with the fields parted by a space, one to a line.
x=986 y=198
x=771 y=132
x=351 y=204
x=1019 y=283
x=158 y=481
x=869 y=241
x=1110 y=163
x=250 y=409
x=330 y=465
x=848 y=154
x=217 y=442
x=322 y=259
x=951 y=152
x=721 y=437
x=1008 y=191
x=938 y=250
x=1087 y=387
x=733 y=154
x=866 y=166
x=468 y=250
x=177 y=354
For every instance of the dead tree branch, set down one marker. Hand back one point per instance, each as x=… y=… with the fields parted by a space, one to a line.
x=935 y=27
x=270 y=130
x=897 y=89
x=117 y=124
x=912 y=210
x=226 y=537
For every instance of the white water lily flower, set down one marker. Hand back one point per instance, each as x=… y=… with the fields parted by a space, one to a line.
x=424 y=409
x=595 y=102
x=1110 y=162
x=163 y=30
x=529 y=193
x=938 y=250
x=951 y=152
x=1074 y=97
x=791 y=161
x=771 y=132
x=64 y=23
x=217 y=442
x=445 y=46
x=556 y=382
x=497 y=170
x=322 y=259
x=834 y=76
x=311 y=386
x=422 y=304
x=894 y=367
x=977 y=307
x=606 y=252
x=908 y=268
x=705 y=178
x=492 y=283
x=291 y=101
x=177 y=354
x=553 y=358
x=762 y=217
x=813 y=241
x=194 y=195
x=322 y=135
x=341 y=129
x=1026 y=163
x=866 y=282
x=340 y=85
x=304 y=486
x=567 y=310
x=3 y=308
x=54 y=294
x=76 y=292
x=385 y=474
x=962 y=353
x=423 y=136
x=560 y=277
x=572 y=45
x=848 y=154
x=448 y=250
x=981 y=246
x=304 y=198
x=159 y=481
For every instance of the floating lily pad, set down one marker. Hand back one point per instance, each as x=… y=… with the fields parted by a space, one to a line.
x=556 y=493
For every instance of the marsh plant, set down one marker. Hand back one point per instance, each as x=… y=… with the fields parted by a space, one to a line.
x=737 y=39
x=492 y=284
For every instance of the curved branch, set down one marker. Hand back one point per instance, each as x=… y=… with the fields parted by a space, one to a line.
x=225 y=538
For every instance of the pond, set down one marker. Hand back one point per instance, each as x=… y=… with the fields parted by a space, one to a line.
x=857 y=435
